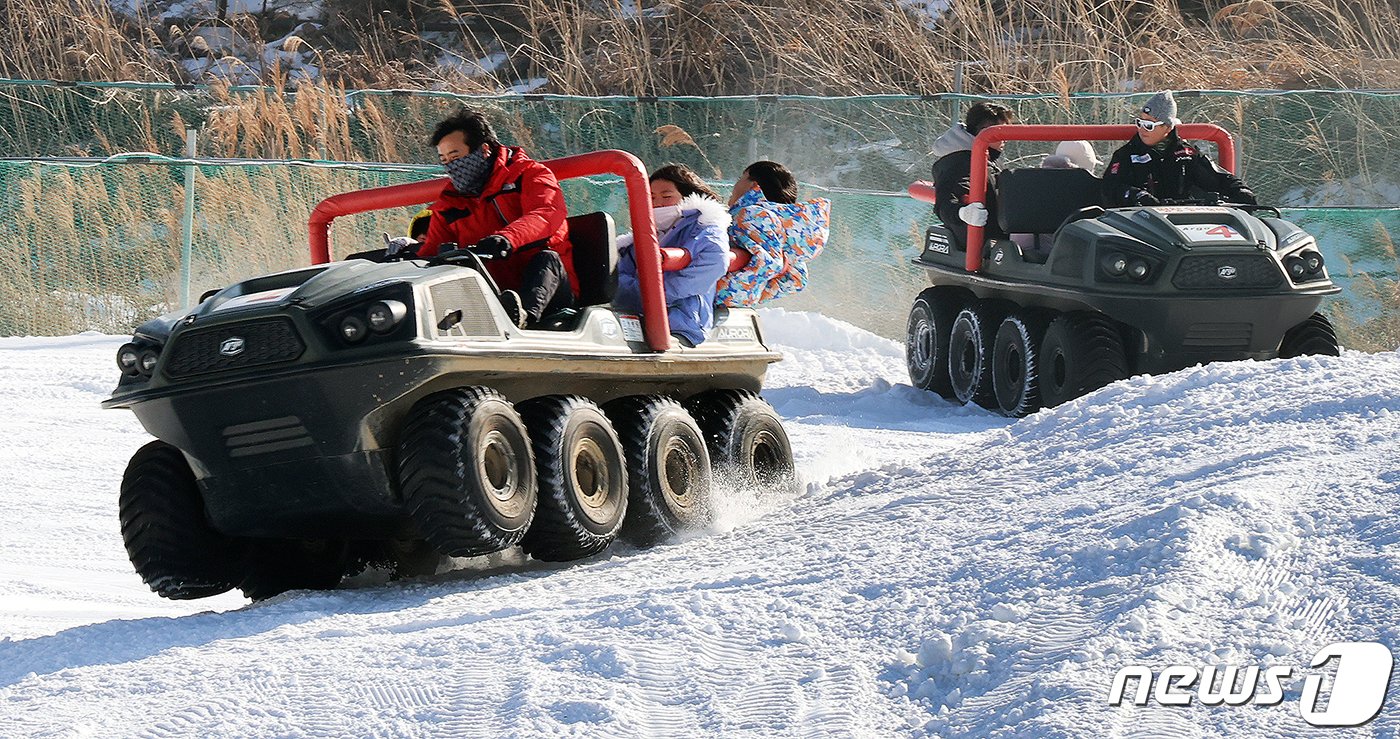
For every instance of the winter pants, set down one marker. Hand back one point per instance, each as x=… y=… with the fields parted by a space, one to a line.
x=546 y=286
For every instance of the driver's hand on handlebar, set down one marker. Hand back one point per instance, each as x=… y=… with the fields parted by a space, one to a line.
x=401 y=245
x=1143 y=197
x=494 y=246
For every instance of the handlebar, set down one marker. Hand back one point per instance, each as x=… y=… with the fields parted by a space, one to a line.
x=1217 y=202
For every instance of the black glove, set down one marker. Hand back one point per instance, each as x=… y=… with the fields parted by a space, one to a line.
x=1143 y=197
x=494 y=246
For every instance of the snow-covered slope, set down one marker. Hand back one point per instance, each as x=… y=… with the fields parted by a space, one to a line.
x=946 y=572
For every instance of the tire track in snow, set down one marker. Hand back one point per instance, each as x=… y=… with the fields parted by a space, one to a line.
x=766 y=703
x=829 y=714
x=1317 y=617
x=1055 y=631
x=386 y=694
x=196 y=719
x=660 y=684
x=1160 y=722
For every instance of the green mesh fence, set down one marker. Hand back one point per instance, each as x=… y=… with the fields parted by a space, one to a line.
x=1299 y=148
x=98 y=245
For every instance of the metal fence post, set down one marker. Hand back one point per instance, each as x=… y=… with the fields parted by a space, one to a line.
x=187 y=221
x=957 y=91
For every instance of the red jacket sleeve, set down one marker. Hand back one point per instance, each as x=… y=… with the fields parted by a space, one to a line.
x=542 y=210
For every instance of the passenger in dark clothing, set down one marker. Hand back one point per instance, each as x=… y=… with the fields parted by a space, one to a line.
x=1156 y=165
x=952 y=174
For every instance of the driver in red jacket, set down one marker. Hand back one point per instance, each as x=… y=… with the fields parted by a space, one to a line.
x=507 y=209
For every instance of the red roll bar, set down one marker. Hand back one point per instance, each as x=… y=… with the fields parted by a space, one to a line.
x=1025 y=132
x=360 y=201
x=655 y=325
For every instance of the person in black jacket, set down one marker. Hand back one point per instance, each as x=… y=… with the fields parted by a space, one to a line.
x=952 y=173
x=1156 y=165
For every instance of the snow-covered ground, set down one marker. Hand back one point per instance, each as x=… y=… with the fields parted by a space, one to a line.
x=946 y=572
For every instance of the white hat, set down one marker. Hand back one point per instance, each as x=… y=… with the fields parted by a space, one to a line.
x=1080 y=153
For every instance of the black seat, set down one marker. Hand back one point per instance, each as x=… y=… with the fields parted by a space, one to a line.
x=1037 y=201
x=595 y=257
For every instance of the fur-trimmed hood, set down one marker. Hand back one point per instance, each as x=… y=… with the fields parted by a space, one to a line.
x=712 y=212
x=703 y=210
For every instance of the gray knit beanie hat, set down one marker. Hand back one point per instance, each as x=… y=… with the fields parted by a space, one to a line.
x=1161 y=106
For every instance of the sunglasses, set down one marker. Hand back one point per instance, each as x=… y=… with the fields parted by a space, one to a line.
x=1147 y=125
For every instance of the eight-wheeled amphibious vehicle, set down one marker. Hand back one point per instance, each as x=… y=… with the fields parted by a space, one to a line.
x=374 y=410
x=1122 y=291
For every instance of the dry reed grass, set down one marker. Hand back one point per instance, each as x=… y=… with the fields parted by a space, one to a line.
x=99 y=248
x=836 y=47
x=831 y=47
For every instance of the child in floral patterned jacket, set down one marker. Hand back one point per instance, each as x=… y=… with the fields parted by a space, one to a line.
x=780 y=234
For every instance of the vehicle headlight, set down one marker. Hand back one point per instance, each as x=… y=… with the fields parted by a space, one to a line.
x=138 y=359
x=1115 y=264
x=1312 y=261
x=368 y=318
x=353 y=329
x=384 y=315
x=129 y=359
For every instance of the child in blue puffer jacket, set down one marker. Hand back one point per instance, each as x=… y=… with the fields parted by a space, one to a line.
x=689 y=216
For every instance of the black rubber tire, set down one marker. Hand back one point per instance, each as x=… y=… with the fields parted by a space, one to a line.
x=581 y=475
x=1016 y=362
x=1313 y=337
x=747 y=443
x=669 y=480
x=467 y=472
x=167 y=534
x=926 y=340
x=1081 y=352
x=274 y=566
x=970 y=353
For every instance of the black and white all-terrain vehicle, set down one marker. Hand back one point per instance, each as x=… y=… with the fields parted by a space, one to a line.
x=372 y=410
x=1122 y=291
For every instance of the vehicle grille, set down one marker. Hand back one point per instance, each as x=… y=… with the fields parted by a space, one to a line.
x=1218 y=336
x=466 y=296
x=262 y=437
x=1205 y=272
x=266 y=341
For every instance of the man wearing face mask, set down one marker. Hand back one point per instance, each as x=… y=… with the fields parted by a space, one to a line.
x=507 y=209
x=952 y=174
x=1156 y=165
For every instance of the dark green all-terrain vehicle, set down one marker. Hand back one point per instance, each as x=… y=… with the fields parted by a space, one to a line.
x=1119 y=291
x=388 y=410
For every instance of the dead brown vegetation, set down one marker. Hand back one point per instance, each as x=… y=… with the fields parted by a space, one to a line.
x=723 y=47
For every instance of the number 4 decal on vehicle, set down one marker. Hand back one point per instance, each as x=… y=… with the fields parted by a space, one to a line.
x=1213 y=232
